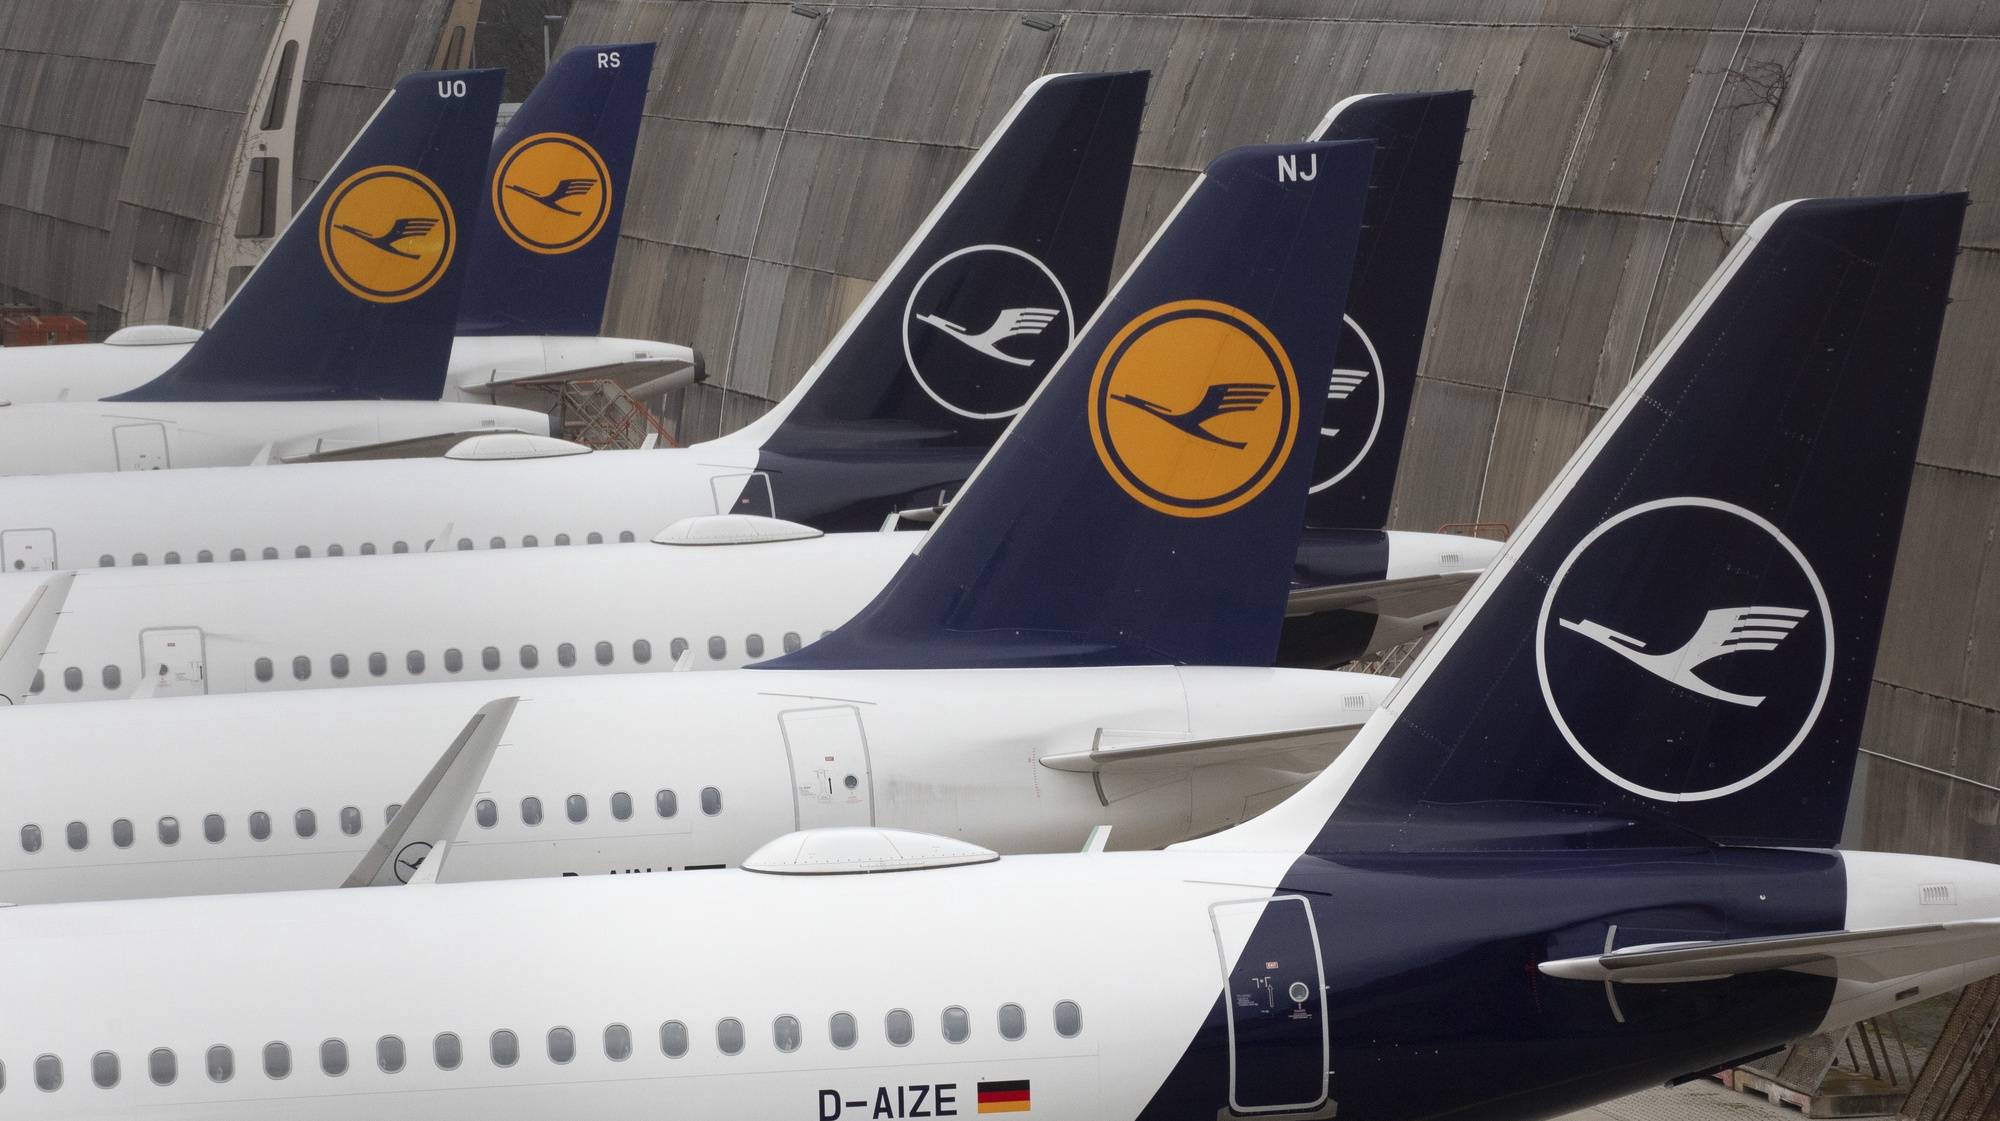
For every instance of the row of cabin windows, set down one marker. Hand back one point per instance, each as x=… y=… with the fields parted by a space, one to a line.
x=503 y=1047
x=306 y=823
x=367 y=549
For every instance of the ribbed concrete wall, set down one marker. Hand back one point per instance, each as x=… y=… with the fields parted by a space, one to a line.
x=785 y=158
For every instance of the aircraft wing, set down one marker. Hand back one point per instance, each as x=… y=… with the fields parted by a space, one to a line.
x=1175 y=755
x=673 y=367
x=1420 y=599
x=412 y=847
x=1882 y=954
x=27 y=637
x=415 y=447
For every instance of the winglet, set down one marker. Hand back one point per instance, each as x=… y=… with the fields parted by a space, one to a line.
x=415 y=841
x=27 y=637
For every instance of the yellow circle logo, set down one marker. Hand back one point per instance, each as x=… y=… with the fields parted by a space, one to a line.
x=551 y=193
x=386 y=234
x=1194 y=408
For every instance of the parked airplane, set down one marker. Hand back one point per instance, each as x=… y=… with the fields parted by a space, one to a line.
x=1021 y=716
x=734 y=599
x=530 y=304
x=350 y=310
x=1510 y=897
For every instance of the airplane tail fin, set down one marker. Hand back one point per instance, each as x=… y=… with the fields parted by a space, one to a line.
x=1144 y=508
x=357 y=298
x=1679 y=639
x=541 y=250
x=1417 y=138
x=990 y=290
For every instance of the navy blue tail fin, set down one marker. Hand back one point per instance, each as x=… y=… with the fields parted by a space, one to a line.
x=1680 y=637
x=358 y=296
x=1417 y=141
x=988 y=292
x=1144 y=508
x=542 y=248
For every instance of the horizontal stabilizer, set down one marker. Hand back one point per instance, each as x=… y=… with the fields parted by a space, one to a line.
x=1178 y=755
x=428 y=822
x=1424 y=598
x=1883 y=954
x=415 y=447
x=27 y=637
x=665 y=366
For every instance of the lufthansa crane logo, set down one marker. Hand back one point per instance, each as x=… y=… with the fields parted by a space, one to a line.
x=1685 y=649
x=1194 y=408
x=1356 y=394
x=387 y=234
x=982 y=328
x=551 y=193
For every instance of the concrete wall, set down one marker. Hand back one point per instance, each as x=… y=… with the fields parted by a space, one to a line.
x=786 y=156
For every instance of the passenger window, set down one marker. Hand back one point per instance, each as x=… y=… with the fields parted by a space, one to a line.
x=337 y=665
x=486 y=813
x=350 y=820
x=753 y=646
x=566 y=655
x=260 y=825
x=666 y=803
x=238 y=554
x=79 y=836
x=642 y=651
x=368 y=548
x=530 y=658
x=506 y=1049
x=31 y=838
x=390 y=811
x=48 y=1074
x=389 y=1054
x=211 y=828
x=170 y=831
x=204 y=557
x=531 y=810
x=104 y=1070
x=711 y=801
x=841 y=1028
x=792 y=642
x=621 y=806
x=529 y=541
x=1069 y=1019
x=302 y=667
x=464 y=544
x=378 y=664
x=221 y=1063
x=578 y=808
x=1013 y=1021
x=107 y=561
x=673 y=1039
x=277 y=1060
x=73 y=678
x=171 y=557
x=497 y=543
x=121 y=833
x=594 y=538
x=676 y=648
x=957 y=1024
x=270 y=552
x=112 y=677
x=262 y=668
x=899 y=1027
x=562 y=1045
x=785 y=1033
x=718 y=647
x=625 y=537
x=138 y=558
x=305 y=823
x=446 y=1051
x=400 y=547
x=562 y=538
x=162 y=1067
x=333 y=1057
x=453 y=660
x=414 y=661
x=335 y=551
x=617 y=1043
x=729 y=1036
x=490 y=658
x=302 y=551
x=603 y=651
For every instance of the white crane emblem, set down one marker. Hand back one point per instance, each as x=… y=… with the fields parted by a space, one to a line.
x=1013 y=322
x=1725 y=630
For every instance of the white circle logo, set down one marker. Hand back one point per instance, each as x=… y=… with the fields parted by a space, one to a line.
x=1355 y=399
x=983 y=327
x=1685 y=649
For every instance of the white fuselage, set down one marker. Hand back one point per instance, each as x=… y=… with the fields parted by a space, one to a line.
x=711 y=766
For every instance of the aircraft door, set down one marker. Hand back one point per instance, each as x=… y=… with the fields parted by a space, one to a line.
x=140 y=447
x=743 y=494
x=174 y=662
x=28 y=550
x=829 y=756
x=1274 y=990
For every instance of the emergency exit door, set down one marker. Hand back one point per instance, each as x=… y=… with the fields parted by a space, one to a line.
x=140 y=447
x=173 y=662
x=1274 y=993
x=27 y=550
x=829 y=756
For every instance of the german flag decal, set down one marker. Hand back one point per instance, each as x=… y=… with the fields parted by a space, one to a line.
x=1004 y=1097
